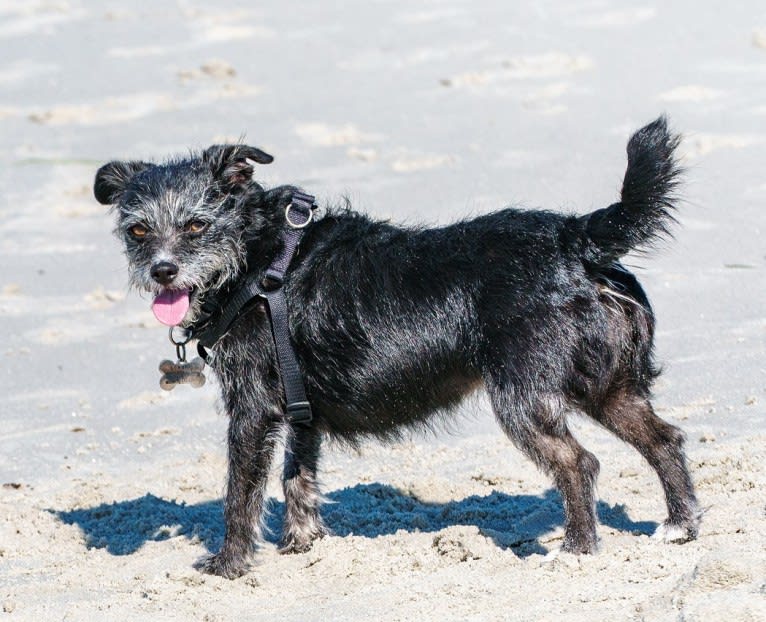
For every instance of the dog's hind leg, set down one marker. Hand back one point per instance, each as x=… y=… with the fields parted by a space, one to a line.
x=632 y=418
x=537 y=425
x=251 y=448
x=303 y=523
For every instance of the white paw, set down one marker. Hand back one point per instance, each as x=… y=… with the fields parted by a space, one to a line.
x=671 y=533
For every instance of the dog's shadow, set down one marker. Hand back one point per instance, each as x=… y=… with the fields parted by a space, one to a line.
x=369 y=510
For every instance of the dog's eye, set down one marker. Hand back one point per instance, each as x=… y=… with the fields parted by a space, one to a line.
x=138 y=231
x=196 y=226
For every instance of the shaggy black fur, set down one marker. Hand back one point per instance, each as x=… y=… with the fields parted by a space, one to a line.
x=394 y=325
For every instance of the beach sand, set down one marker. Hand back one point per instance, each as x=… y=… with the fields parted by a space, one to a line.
x=110 y=489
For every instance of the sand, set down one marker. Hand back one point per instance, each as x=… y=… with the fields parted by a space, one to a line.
x=110 y=489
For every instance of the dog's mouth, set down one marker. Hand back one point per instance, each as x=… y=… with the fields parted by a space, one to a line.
x=171 y=305
x=175 y=306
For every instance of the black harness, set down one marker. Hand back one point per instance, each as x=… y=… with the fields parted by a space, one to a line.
x=220 y=313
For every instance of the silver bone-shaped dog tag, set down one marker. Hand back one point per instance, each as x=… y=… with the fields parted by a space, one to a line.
x=182 y=372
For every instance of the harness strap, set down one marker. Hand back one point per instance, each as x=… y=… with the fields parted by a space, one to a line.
x=298 y=407
x=228 y=313
x=298 y=215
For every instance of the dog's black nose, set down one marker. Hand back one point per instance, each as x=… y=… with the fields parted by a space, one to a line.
x=164 y=272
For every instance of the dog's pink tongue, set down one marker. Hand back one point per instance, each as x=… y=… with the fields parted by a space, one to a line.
x=171 y=305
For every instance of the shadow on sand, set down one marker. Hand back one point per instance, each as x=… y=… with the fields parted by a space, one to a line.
x=369 y=510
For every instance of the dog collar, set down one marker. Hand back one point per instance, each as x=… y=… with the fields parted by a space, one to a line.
x=220 y=313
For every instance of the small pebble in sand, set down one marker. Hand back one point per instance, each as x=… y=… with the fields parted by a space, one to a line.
x=750 y=400
x=218 y=69
x=707 y=437
x=9 y=606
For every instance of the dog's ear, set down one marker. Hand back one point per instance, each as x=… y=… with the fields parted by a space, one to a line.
x=112 y=178
x=232 y=164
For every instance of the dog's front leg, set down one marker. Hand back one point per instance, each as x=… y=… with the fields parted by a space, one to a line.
x=303 y=523
x=251 y=448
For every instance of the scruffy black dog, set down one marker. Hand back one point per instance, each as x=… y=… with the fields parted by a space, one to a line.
x=394 y=325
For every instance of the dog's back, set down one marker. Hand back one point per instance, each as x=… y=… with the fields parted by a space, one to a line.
x=427 y=315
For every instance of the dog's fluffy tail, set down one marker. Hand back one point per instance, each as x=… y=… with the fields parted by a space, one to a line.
x=648 y=198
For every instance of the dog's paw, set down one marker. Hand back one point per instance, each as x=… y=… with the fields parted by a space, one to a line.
x=580 y=544
x=293 y=547
x=222 y=565
x=677 y=533
x=293 y=544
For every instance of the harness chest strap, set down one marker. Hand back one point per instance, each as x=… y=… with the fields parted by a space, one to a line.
x=298 y=215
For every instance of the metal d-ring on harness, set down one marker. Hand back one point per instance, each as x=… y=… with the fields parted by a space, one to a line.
x=219 y=317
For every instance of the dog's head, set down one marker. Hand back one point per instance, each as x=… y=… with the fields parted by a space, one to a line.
x=183 y=223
